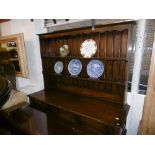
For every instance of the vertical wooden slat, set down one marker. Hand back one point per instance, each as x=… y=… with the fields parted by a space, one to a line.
x=112 y=46
x=116 y=48
x=96 y=38
x=112 y=62
x=109 y=45
x=57 y=46
x=43 y=46
x=124 y=44
x=122 y=71
x=120 y=44
x=78 y=45
x=69 y=45
x=60 y=44
x=109 y=63
x=73 y=51
x=102 y=45
x=54 y=50
x=105 y=50
x=99 y=48
x=117 y=42
x=48 y=49
x=120 y=51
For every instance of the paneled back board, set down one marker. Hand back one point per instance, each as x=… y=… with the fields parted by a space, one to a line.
x=112 y=43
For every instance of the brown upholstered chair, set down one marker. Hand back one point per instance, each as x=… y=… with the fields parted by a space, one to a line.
x=17 y=98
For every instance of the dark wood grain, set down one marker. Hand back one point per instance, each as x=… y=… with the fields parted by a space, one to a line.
x=95 y=115
x=80 y=104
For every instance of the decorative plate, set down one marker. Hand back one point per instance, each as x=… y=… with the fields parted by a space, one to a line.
x=95 y=68
x=64 y=50
x=58 y=67
x=74 y=67
x=88 y=48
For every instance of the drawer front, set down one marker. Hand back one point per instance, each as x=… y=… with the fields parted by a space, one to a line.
x=59 y=126
x=90 y=123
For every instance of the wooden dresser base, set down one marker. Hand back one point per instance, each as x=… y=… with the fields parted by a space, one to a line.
x=80 y=115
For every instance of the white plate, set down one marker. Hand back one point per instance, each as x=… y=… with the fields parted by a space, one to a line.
x=58 y=67
x=95 y=68
x=88 y=48
x=74 y=67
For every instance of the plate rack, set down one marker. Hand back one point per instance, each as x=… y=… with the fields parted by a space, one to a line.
x=112 y=43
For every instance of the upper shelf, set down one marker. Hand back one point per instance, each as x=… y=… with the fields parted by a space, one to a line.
x=80 y=57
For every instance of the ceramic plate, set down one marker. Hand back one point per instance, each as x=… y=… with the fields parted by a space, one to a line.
x=58 y=67
x=95 y=68
x=88 y=48
x=74 y=67
x=64 y=50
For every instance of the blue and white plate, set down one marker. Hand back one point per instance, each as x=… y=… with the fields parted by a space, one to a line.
x=95 y=69
x=58 y=67
x=74 y=67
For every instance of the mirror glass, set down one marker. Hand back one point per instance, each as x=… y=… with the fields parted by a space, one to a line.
x=12 y=50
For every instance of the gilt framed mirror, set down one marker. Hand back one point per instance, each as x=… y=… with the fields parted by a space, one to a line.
x=12 y=50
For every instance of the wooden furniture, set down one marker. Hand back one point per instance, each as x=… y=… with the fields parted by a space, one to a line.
x=84 y=105
x=54 y=120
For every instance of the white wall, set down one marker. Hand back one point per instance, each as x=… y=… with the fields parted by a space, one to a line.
x=136 y=102
x=30 y=29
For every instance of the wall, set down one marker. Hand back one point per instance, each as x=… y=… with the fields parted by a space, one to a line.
x=136 y=102
x=35 y=80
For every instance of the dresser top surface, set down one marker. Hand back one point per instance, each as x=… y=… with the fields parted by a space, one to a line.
x=85 y=106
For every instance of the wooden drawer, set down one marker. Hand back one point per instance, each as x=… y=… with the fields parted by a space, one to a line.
x=59 y=126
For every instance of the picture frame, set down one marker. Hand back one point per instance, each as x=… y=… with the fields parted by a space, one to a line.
x=14 y=47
